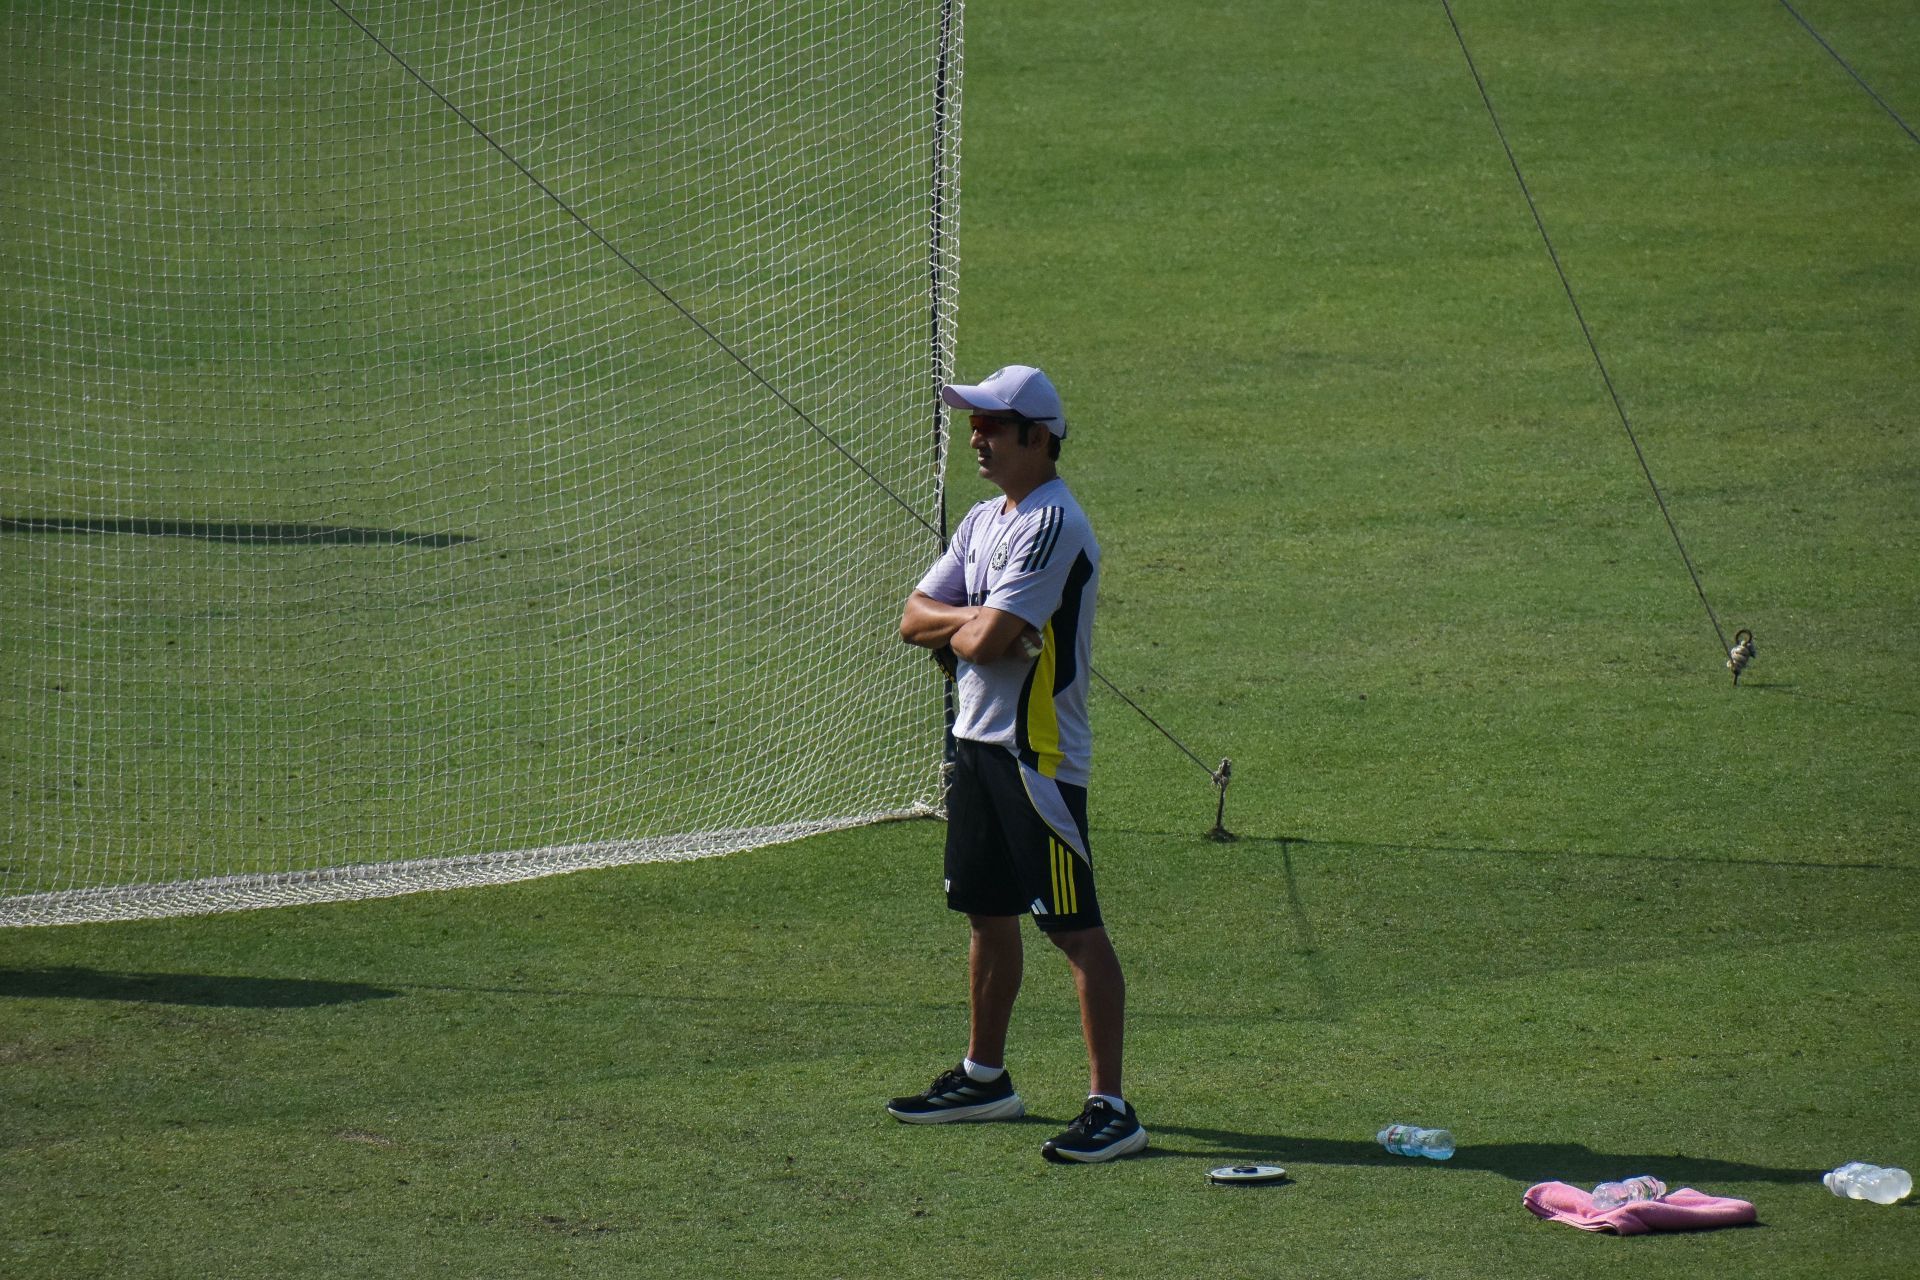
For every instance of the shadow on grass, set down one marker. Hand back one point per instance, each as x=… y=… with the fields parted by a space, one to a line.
x=1527 y=1162
x=184 y=988
x=250 y=534
x=1287 y=844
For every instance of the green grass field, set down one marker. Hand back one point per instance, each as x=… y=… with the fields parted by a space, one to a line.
x=1516 y=857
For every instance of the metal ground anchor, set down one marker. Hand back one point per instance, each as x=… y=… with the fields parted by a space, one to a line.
x=1221 y=777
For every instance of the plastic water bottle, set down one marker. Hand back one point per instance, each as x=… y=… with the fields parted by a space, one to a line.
x=1611 y=1195
x=1860 y=1181
x=1410 y=1140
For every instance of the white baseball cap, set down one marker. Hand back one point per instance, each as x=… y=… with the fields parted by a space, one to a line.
x=1018 y=389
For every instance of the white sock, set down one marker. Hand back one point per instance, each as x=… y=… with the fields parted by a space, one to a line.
x=1118 y=1104
x=980 y=1074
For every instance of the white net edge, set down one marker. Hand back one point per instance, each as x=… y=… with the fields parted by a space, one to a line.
x=219 y=894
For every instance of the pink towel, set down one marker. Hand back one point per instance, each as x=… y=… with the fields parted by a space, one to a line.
x=1682 y=1210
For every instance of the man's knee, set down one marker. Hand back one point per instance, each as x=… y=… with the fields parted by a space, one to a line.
x=1081 y=942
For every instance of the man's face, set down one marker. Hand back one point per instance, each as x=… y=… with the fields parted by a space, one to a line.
x=995 y=440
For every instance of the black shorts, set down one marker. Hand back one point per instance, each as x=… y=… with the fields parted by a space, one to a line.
x=1004 y=856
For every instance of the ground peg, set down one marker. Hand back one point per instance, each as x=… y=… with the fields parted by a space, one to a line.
x=1221 y=777
x=1741 y=654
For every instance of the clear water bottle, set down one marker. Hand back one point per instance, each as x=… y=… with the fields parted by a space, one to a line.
x=1859 y=1181
x=1611 y=1195
x=1411 y=1140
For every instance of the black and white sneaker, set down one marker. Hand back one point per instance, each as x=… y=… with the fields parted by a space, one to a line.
x=1100 y=1133
x=958 y=1096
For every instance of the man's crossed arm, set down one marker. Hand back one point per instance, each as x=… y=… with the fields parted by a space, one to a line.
x=977 y=633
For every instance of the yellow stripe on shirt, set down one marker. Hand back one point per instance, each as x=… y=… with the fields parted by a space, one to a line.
x=1043 y=719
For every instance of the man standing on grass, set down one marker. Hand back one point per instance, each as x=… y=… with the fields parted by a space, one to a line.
x=1009 y=607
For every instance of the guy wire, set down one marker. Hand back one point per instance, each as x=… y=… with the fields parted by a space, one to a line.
x=695 y=321
x=630 y=264
x=1850 y=71
x=1592 y=346
x=1164 y=731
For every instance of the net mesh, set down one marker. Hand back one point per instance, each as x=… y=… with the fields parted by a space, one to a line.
x=374 y=519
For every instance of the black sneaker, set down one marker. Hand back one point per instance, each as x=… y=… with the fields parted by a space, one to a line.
x=1101 y=1133
x=958 y=1096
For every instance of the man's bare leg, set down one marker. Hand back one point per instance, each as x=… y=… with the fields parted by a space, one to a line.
x=995 y=963
x=1103 y=1004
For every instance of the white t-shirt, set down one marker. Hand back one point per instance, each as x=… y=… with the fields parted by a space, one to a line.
x=1041 y=563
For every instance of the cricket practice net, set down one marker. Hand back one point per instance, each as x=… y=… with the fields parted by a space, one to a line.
x=449 y=443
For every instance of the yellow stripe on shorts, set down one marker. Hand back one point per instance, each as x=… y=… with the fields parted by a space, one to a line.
x=1066 y=900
